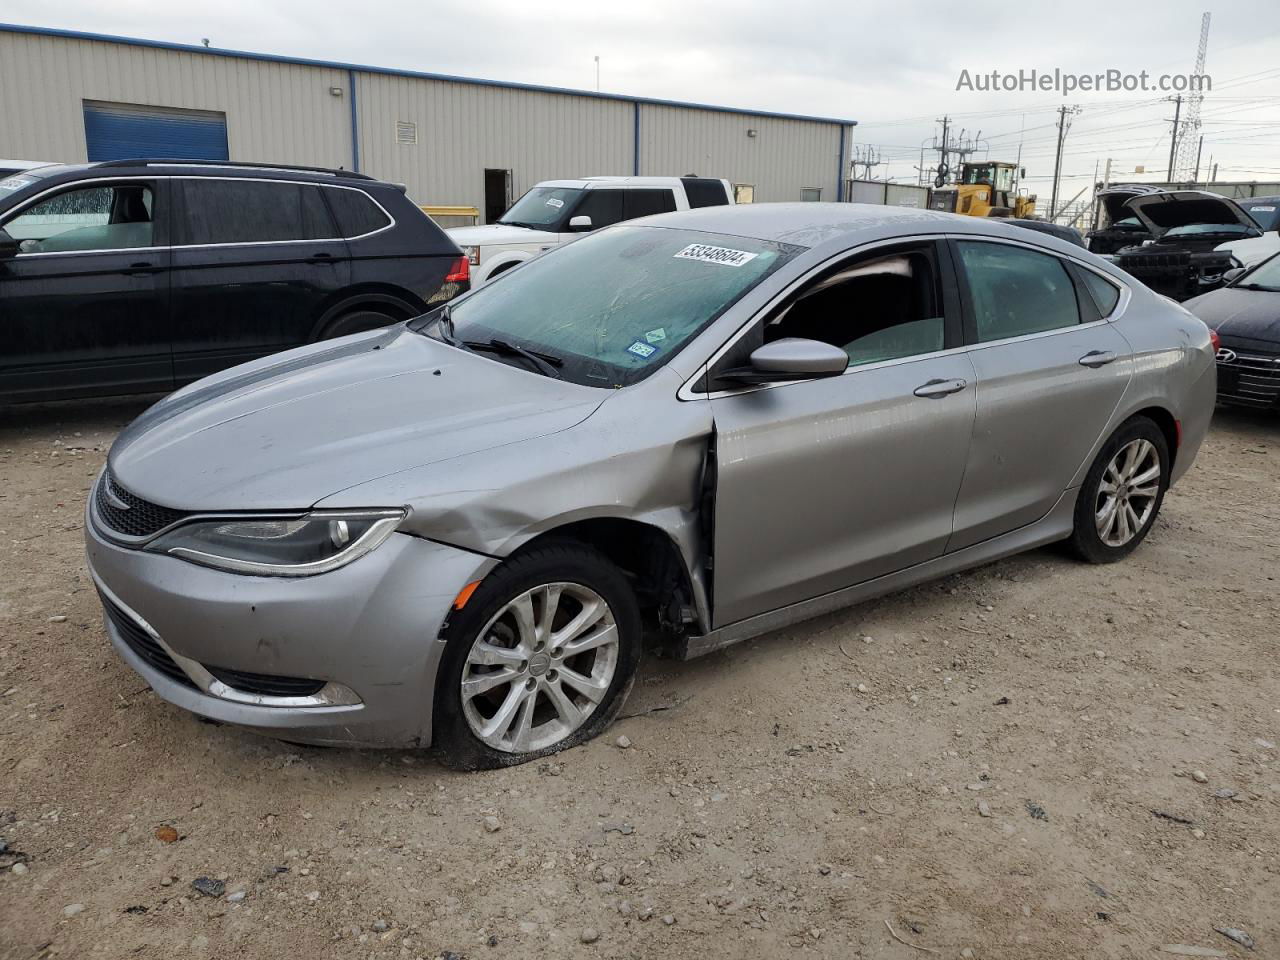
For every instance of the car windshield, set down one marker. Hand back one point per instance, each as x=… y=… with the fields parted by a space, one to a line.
x=1267 y=214
x=609 y=309
x=1265 y=276
x=12 y=183
x=1204 y=229
x=542 y=208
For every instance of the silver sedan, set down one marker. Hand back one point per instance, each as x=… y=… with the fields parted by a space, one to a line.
x=687 y=430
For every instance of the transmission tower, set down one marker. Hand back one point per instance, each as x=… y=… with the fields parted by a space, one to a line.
x=867 y=158
x=960 y=147
x=1188 y=136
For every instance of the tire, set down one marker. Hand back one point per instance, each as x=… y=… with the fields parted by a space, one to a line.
x=358 y=320
x=1100 y=537
x=488 y=623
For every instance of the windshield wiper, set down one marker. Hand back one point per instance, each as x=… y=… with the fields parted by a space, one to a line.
x=517 y=223
x=1257 y=286
x=543 y=362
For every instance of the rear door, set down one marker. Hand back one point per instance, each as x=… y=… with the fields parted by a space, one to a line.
x=254 y=263
x=823 y=484
x=84 y=305
x=1051 y=369
x=646 y=201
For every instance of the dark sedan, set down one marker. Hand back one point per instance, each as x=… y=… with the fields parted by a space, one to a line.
x=1246 y=316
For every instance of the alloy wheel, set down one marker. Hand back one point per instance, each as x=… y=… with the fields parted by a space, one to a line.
x=1128 y=492
x=540 y=667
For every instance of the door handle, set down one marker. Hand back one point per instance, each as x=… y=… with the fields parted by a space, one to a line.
x=940 y=388
x=140 y=269
x=321 y=257
x=1097 y=358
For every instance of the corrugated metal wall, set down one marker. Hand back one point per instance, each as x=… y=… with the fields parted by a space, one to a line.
x=783 y=158
x=284 y=113
x=463 y=129
x=277 y=112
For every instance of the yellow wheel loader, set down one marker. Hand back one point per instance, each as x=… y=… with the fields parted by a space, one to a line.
x=985 y=189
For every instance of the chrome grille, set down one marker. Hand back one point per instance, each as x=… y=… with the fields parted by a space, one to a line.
x=1251 y=378
x=137 y=518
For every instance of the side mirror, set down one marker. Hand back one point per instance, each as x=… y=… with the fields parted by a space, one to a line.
x=790 y=359
x=580 y=224
x=1232 y=275
x=8 y=246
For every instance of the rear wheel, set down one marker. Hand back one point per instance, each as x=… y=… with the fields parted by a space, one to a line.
x=541 y=658
x=358 y=320
x=1122 y=493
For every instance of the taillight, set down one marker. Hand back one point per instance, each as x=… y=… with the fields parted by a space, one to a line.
x=459 y=272
x=1215 y=340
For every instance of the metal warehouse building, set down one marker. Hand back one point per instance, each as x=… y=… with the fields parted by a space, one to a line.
x=70 y=97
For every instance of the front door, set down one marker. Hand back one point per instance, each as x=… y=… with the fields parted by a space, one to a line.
x=84 y=305
x=255 y=264
x=822 y=484
x=1050 y=373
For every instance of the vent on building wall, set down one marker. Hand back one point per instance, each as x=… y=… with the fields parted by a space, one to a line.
x=406 y=132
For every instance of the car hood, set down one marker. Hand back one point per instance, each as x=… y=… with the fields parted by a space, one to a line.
x=286 y=433
x=1114 y=198
x=1240 y=314
x=1254 y=250
x=1179 y=208
x=494 y=234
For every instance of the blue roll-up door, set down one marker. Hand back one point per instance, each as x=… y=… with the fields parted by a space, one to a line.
x=129 y=131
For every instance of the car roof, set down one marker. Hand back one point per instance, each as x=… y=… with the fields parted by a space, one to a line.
x=587 y=183
x=815 y=224
x=198 y=168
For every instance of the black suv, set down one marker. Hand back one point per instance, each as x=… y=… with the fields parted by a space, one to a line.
x=134 y=276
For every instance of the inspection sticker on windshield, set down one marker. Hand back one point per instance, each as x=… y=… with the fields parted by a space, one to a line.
x=642 y=350
x=656 y=336
x=555 y=202
x=16 y=183
x=725 y=256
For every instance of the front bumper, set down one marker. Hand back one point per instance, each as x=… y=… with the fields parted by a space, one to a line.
x=368 y=633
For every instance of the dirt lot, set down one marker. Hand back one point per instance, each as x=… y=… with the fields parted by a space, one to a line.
x=976 y=762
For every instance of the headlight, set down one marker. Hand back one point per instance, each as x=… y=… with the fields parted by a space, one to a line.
x=294 y=546
x=473 y=255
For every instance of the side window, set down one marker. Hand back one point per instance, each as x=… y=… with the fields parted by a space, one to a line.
x=252 y=211
x=92 y=218
x=882 y=307
x=602 y=206
x=645 y=203
x=704 y=192
x=1015 y=291
x=811 y=194
x=355 y=212
x=1104 y=293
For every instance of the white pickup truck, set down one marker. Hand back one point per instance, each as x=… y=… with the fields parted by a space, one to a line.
x=556 y=211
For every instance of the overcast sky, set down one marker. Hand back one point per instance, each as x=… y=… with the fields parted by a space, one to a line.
x=893 y=67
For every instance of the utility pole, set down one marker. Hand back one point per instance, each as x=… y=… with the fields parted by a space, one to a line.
x=1199 y=150
x=943 y=168
x=1213 y=177
x=597 y=73
x=1063 y=126
x=1173 y=144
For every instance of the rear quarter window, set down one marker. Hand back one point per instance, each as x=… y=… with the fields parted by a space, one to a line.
x=704 y=192
x=644 y=203
x=355 y=212
x=1104 y=293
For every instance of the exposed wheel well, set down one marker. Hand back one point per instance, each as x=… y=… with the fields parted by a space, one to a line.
x=391 y=302
x=1168 y=426
x=646 y=555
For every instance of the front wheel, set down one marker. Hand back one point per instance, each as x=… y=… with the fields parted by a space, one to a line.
x=1122 y=493
x=539 y=659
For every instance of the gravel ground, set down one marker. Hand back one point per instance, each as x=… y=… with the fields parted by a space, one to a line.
x=973 y=767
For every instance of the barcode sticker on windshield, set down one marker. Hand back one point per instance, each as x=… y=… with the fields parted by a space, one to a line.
x=15 y=183
x=1251 y=209
x=555 y=202
x=724 y=256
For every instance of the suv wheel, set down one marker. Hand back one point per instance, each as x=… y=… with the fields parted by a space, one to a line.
x=540 y=659
x=358 y=320
x=1122 y=494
